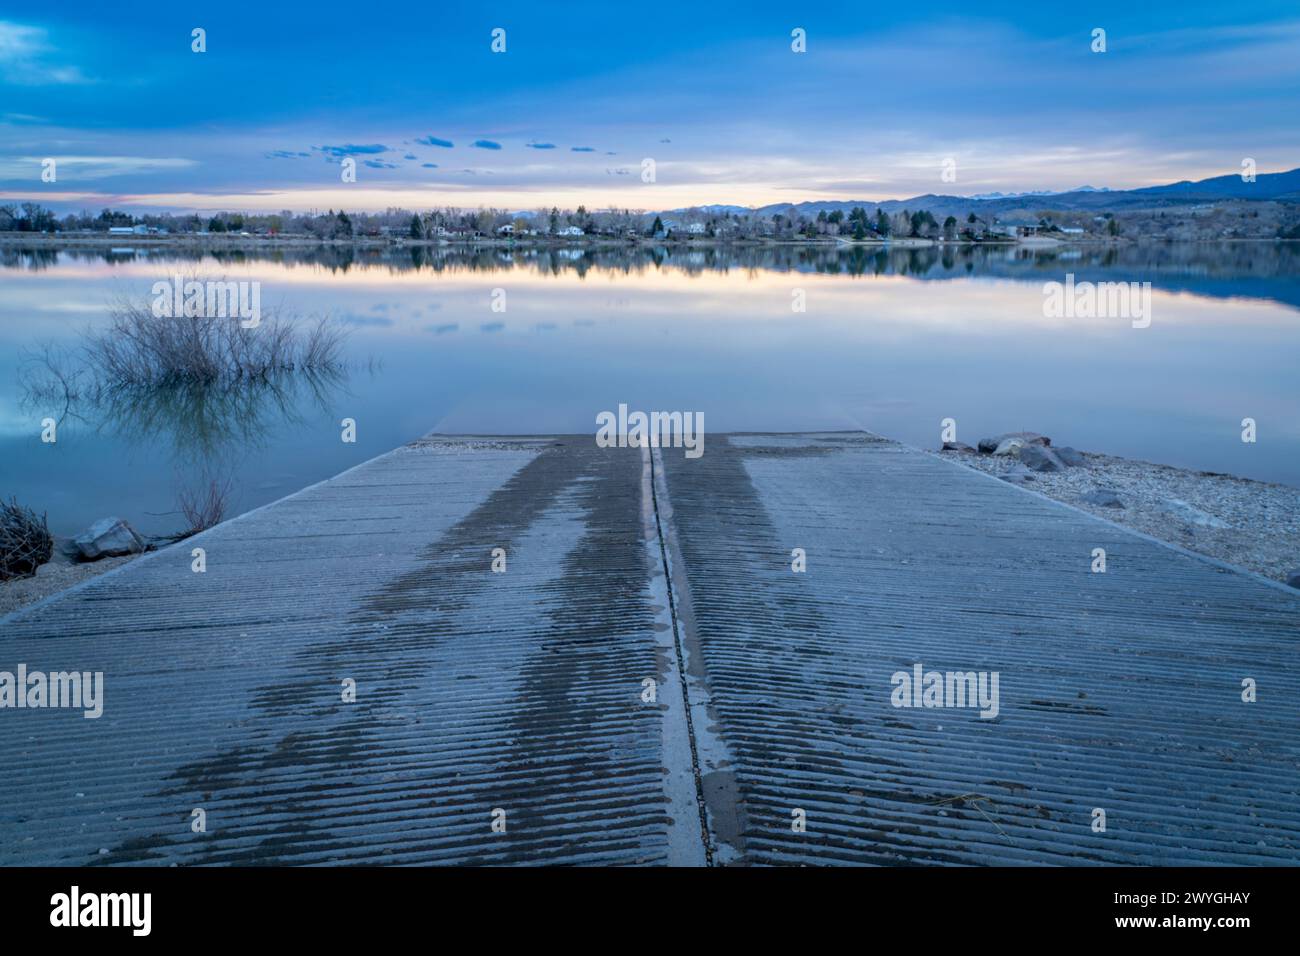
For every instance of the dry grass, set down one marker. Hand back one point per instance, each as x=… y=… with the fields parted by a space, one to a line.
x=25 y=541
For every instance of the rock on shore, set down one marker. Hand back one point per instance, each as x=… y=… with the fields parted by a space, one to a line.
x=108 y=538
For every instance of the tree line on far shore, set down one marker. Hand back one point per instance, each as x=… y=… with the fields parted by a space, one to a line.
x=1231 y=219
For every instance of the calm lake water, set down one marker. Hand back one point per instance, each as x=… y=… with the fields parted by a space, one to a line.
x=891 y=341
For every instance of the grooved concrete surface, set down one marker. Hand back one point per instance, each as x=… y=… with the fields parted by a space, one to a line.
x=528 y=691
x=475 y=690
x=1118 y=691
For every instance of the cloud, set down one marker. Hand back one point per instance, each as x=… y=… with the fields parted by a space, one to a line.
x=485 y=144
x=582 y=149
x=411 y=156
x=378 y=164
x=285 y=154
x=434 y=141
x=24 y=61
x=365 y=320
x=429 y=165
x=73 y=169
x=351 y=150
x=540 y=145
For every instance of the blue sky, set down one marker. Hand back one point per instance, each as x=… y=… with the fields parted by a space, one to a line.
x=584 y=93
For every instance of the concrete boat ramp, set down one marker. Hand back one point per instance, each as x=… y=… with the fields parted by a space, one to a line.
x=640 y=677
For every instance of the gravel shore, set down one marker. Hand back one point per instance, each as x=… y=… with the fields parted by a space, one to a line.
x=57 y=574
x=1252 y=524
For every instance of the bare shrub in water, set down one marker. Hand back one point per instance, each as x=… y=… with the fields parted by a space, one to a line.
x=140 y=348
x=203 y=509
x=25 y=541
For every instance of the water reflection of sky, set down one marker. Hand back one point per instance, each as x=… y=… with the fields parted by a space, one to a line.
x=886 y=352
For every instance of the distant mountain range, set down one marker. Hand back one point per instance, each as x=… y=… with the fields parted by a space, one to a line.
x=1267 y=186
x=1041 y=192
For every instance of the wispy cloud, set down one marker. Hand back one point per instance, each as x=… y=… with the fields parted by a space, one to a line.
x=26 y=58
x=434 y=141
x=485 y=144
x=72 y=169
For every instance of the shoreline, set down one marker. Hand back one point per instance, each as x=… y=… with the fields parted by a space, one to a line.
x=1242 y=522
x=218 y=241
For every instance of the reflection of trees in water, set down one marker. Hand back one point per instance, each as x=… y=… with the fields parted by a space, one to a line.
x=31 y=260
x=1159 y=262
x=205 y=422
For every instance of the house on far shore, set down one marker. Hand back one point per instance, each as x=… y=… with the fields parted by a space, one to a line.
x=571 y=231
x=507 y=230
x=696 y=229
x=129 y=230
x=1072 y=230
x=1016 y=228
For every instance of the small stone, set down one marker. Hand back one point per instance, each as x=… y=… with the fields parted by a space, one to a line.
x=988 y=446
x=958 y=447
x=1040 y=458
x=1192 y=514
x=1293 y=578
x=107 y=538
x=1105 y=497
x=1072 y=457
x=1018 y=474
